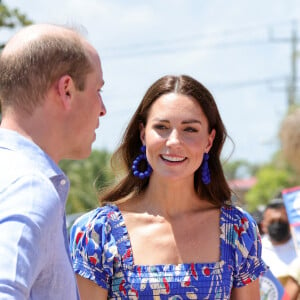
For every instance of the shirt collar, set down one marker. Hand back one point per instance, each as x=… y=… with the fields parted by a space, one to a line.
x=14 y=141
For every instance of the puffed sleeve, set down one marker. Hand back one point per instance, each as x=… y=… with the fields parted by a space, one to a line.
x=93 y=247
x=248 y=261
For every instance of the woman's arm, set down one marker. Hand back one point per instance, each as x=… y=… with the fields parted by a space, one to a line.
x=89 y=290
x=247 y=292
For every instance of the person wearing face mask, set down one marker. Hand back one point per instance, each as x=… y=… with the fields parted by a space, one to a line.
x=278 y=249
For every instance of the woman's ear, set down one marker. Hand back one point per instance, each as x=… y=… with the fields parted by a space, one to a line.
x=210 y=141
x=142 y=133
x=64 y=88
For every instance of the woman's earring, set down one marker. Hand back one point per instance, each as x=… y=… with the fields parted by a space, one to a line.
x=135 y=166
x=205 y=174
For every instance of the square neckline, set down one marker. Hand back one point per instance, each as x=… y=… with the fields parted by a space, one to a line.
x=129 y=261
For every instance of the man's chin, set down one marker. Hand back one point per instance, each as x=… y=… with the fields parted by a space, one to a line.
x=79 y=155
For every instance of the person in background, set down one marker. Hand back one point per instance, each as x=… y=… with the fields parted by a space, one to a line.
x=292 y=284
x=278 y=249
x=168 y=229
x=258 y=217
x=50 y=78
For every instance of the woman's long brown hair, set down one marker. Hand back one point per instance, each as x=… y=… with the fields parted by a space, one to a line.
x=217 y=191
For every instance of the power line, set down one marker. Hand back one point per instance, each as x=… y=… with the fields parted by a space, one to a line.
x=158 y=49
x=197 y=42
x=249 y=83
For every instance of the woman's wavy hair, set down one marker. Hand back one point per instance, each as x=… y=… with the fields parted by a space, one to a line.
x=217 y=191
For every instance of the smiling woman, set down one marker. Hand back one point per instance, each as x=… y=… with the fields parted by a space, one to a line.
x=168 y=228
x=177 y=135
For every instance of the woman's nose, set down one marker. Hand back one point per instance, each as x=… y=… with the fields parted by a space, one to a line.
x=173 y=138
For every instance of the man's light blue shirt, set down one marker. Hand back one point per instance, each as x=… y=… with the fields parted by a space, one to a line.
x=34 y=257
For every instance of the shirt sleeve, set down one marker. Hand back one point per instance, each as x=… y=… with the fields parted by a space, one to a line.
x=248 y=262
x=93 y=247
x=27 y=208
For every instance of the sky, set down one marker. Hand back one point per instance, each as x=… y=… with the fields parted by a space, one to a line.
x=240 y=50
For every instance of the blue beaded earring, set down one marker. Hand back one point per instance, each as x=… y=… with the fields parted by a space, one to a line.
x=205 y=174
x=136 y=162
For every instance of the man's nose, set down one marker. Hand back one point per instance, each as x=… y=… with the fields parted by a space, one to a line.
x=102 y=109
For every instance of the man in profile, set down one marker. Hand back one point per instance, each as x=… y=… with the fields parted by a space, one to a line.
x=50 y=79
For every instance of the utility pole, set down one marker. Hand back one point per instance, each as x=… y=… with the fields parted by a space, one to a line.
x=292 y=87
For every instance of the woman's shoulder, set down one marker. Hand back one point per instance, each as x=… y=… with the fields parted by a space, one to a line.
x=97 y=223
x=238 y=225
x=99 y=215
x=241 y=244
x=94 y=243
x=236 y=214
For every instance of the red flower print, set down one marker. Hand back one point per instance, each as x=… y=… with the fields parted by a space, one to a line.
x=127 y=254
x=167 y=287
x=188 y=282
x=122 y=288
x=248 y=280
x=194 y=273
x=238 y=230
x=206 y=271
x=135 y=291
x=79 y=236
x=244 y=220
x=93 y=260
x=110 y=214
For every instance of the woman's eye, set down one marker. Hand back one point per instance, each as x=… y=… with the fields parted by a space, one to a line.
x=190 y=129
x=160 y=127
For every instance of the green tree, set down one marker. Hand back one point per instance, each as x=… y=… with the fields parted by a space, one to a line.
x=87 y=177
x=238 y=168
x=11 y=18
x=272 y=178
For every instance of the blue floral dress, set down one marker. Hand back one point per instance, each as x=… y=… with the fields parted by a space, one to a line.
x=101 y=251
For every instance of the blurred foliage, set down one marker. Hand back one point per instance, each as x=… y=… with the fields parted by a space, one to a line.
x=11 y=18
x=281 y=172
x=289 y=134
x=272 y=178
x=238 y=169
x=87 y=177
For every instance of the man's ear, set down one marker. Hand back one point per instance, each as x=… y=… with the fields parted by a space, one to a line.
x=64 y=88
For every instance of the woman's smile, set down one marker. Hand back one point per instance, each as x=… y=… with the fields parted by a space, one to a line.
x=173 y=158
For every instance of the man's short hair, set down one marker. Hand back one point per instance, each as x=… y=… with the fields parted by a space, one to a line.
x=275 y=203
x=27 y=73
